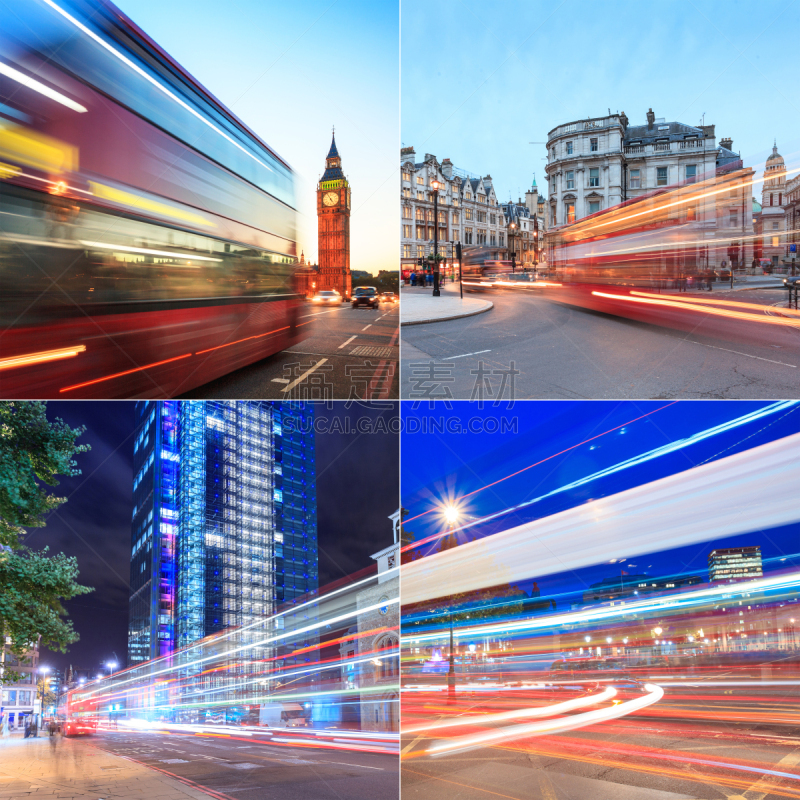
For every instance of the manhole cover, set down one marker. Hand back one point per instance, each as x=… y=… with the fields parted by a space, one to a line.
x=374 y=352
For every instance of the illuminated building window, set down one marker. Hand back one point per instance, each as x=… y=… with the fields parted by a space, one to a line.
x=570 y=212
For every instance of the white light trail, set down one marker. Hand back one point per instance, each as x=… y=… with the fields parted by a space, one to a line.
x=488 y=738
x=37 y=86
x=751 y=490
x=538 y=711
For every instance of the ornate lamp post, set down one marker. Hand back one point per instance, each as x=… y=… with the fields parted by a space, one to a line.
x=43 y=671
x=435 y=186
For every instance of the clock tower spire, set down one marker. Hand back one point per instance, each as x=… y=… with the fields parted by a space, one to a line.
x=333 y=225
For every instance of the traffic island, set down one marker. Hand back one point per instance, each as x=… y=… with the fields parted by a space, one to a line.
x=419 y=307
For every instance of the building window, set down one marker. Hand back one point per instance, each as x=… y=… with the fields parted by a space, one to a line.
x=406 y=251
x=406 y=191
x=420 y=195
x=570 y=212
x=734 y=217
x=780 y=198
x=593 y=144
x=419 y=214
x=467 y=213
x=406 y=176
x=570 y=176
x=691 y=213
x=770 y=198
x=442 y=217
x=594 y=206
x=481 y=216
x=420 y=232
x=594 y=176
x=635 y=180
x=492 y=240
x=691 y=173
x=429 y=215
x=502 y=240
x=775 y=226
x=467 y=235
x=406 y=231
x=493 y=219
x=469 y=195
x=661 y=176
x=420 y=180
x=406 y=212
x=569 y=148
x=420 y=250
x=455 y=218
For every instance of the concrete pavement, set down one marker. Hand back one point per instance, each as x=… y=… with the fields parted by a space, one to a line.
x=418 y=306
x=73 y=769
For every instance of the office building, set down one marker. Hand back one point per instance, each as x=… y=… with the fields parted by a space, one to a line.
x=734 y=564
x=620 y=586
x=224 y=520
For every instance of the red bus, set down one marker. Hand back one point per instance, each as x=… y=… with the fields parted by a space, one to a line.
x=147 y=236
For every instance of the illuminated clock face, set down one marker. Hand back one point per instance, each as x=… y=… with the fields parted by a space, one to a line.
x=330 y=198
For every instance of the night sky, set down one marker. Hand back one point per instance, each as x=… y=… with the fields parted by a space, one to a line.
x=438 y=467
x=357 y=488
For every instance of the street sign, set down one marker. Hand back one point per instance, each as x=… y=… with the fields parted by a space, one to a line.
x=792 y=248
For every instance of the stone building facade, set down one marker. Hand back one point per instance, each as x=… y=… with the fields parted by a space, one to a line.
x=468 y=211
x=774 y=198
x=379 y=641
x=791 y=220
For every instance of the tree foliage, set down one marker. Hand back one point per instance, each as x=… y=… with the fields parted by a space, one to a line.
x=33 y=453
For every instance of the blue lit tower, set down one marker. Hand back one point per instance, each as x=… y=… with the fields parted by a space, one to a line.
x=225 y=518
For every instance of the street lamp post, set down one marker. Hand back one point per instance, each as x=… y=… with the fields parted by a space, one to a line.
x=43 y=671
x=435 y=187
x=451 y=514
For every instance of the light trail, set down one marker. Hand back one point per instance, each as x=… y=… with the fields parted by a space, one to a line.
x=462 y=744
x=503 y=716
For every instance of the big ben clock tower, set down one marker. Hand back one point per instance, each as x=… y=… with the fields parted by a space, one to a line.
x=333 y=225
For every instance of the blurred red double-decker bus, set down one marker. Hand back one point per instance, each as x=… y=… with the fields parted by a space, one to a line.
x=147 y=236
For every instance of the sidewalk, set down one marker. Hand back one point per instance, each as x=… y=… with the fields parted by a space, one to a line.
x=74 y=769
x=418 y=306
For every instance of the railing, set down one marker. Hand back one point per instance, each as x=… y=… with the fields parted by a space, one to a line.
x=635 y=148
x=662 y=146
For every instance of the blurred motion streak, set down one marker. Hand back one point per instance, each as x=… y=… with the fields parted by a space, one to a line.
x=285 y=679
x=140 y=219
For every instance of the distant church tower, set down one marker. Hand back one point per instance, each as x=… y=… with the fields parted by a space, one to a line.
x=333 y=226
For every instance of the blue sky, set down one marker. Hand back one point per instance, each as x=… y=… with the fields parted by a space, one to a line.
x=481 y=80
x=292 y=70
x=439 y=466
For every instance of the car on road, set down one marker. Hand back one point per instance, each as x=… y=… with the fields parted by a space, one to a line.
x=365 y=296
x=327 y=296
x=791 y=281
x=388 y=297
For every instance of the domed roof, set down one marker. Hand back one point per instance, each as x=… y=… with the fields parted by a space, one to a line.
x=776 y=156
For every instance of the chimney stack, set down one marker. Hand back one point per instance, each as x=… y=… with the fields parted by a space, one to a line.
x=727 y=143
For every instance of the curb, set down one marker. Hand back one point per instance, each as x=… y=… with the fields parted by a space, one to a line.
x=489 y=307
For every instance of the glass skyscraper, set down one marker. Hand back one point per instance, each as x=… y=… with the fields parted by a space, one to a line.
x=224 y=522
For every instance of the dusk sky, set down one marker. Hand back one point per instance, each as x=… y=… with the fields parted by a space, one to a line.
x=480 y=82
x=442 y=467
x=357 y=489
x=291 y=71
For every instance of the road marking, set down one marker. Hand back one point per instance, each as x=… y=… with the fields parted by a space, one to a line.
x=411 y=744
x=304 y=375
x=477 y=353
x=738 y=353
x=280 y=380
x=359 y=766
x=368 y=326
x=346 y=343
x=319 y=312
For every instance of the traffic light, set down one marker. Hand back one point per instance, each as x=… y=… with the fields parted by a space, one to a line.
x=458 y=252
x=513 y=262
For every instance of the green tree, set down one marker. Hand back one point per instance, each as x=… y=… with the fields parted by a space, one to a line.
x=33 y=453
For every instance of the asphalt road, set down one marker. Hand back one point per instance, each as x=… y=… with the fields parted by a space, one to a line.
x=253 y=770
x=565 y=352
x=348 y=353
x=689 y=745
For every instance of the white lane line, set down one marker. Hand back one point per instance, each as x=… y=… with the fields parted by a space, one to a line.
x=316 y=314
x=360 y=766
x=368 y=326
x=304 y=375
x=477 y=353
x=280 y=380
x=346 y=343
x=738 y=353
